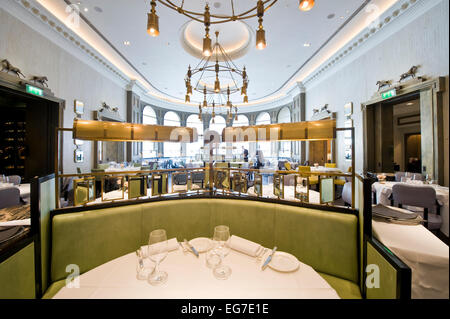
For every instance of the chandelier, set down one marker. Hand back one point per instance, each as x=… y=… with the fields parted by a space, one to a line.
x=208 y=18
x=214 y=95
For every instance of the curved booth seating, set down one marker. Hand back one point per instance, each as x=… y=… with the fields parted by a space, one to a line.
x=325 y=240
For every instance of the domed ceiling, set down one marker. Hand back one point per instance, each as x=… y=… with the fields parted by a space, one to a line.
x=293 y=38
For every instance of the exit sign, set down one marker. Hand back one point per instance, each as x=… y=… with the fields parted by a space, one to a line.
x=389 y=94
x=34 y=90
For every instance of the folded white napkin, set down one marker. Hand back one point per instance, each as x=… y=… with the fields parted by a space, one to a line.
x=172 y=244
x=244 y=246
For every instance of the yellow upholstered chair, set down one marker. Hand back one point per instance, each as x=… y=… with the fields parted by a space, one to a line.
x=313 y=179
x=288 y=166
x=330 y=165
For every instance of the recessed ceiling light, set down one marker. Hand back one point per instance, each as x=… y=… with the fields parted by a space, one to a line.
x=86 y=9
x=126 y=43
x=144 y=63
x=98 y=9
x=307 y=45
x=342 y=17
x=331 y=16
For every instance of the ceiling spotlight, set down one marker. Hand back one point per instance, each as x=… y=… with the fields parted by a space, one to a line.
x=86 y=9
x=127 y=43
x=307 y=45
x=153 y=22
x=306 y=5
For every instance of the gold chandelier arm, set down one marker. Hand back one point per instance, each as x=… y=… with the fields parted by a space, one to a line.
x=222 y=18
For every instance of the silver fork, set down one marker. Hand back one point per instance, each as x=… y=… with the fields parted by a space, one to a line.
x=183 y=248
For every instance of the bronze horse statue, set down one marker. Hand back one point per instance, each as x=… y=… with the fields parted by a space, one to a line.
x=10 y=68
x=42 y=80
x=382 y=84
x=411 y=73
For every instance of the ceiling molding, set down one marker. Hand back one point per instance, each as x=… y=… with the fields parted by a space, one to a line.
x=390 y=22
x=63 y=37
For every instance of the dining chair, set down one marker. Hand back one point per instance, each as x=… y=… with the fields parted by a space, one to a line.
x=15 y=179
x=313 y=179
x=9 y=196
x=281 y=166
x=419 y=196
x=330 y=165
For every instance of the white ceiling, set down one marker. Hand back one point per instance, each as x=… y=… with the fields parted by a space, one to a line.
x=163 y=60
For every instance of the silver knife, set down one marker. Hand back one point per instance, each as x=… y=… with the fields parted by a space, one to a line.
x=269 y=258
x=191 y=247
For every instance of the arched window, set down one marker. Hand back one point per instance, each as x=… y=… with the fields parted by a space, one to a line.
x=218 y=126
x=238 y=148
x=284 y=116
x=194 y=149
x=172 y=149
x=265 y=147
x=149 y=117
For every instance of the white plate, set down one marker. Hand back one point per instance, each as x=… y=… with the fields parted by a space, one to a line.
x=284 y=262
x=201 y=244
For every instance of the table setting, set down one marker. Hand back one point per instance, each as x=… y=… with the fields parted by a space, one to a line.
x=224 y=266
x=383 y=191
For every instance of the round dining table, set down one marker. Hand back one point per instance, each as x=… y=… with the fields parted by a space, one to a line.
x=190 y=278
x=384 y=190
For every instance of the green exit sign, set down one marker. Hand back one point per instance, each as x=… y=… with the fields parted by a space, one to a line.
x=389 y=94
x=34 y=90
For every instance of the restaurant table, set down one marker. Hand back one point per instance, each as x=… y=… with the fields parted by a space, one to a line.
x=423 y=252
x=190 y=278
x=314 y=197
x=323 y=169
x=384 y=190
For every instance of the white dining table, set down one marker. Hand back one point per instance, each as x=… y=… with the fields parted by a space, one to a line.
x=190 y=278
x=384 y=190
x=323 y=169
x=423 y=252
x=314 y=196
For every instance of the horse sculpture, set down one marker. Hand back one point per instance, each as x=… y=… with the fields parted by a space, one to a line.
x=109 y=108
x=42 y=80
x=411 y=73
x=382 y=84
x=10 y=68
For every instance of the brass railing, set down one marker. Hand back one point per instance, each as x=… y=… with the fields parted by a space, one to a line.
x=101 y=187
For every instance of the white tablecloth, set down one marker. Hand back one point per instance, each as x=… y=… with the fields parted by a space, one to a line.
x=189 y=278
x=25 y=190
x=384 y=191
x=323 y=169
x=424 y=253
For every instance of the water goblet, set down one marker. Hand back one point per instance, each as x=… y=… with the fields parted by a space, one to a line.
x=157 y=251
x=143 y=267
x=220 y=239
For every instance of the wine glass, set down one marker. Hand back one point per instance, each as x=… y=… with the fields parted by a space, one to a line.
x=220 y=239
x=157 y=251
